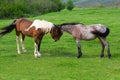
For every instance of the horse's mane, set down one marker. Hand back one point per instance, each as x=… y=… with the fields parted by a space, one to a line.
x=70 y=24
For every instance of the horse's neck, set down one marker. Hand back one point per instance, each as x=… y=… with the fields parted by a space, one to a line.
x=67 y=28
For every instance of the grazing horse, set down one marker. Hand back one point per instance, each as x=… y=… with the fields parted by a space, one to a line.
x=83 y=32
x=36 y=29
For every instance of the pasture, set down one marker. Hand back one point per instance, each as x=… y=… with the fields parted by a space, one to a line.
x=58 y=60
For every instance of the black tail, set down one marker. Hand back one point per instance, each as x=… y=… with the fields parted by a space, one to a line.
x=7 y=29
x=102 y=34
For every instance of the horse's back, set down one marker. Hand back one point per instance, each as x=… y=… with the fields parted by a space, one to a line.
x=83 y=32
x=22 y=24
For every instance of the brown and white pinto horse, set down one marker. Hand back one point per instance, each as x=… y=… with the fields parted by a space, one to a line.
x=36 y=29
x=82 y=32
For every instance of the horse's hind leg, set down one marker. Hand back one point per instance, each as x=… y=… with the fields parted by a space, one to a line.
x=108 y=48
x=18 y=42
x=79 y=49
x=105 y=43
x=22 y=42
x=108 y=51
x=103 y=47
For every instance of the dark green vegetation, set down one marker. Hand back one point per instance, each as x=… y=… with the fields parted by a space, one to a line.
x=25 y=8
x=69 y=5
x=58 y=60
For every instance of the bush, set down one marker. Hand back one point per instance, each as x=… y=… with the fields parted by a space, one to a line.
x=69 y=5
x=26 y=8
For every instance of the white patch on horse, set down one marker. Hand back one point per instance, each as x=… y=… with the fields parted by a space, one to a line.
x=36 y=52
x=42 y=24
x=18 y=44
x=88 y=35
x=23 y=47
x=100 y=27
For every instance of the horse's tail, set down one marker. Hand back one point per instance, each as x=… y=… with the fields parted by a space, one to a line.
x=105 y=34
x=7 y=29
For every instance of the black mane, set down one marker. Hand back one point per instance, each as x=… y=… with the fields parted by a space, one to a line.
x=70 y=24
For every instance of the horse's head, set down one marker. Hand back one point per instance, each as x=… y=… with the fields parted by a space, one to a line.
x=56 y=33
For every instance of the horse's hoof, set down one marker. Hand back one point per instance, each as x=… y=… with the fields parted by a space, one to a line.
x=101 y=56
x=109 y=56
x=19 y=52
x=37 y=55
x=79 y=56
x=24 y=51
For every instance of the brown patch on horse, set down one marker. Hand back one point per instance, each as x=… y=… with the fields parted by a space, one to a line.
x=54 y=32
x=22 y=24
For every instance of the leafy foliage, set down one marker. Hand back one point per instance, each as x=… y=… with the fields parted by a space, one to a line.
x=26 y=8
x=70 y=5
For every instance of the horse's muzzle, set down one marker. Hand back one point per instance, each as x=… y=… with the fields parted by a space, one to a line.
x=56 y=40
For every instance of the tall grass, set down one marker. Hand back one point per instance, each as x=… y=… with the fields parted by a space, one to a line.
x=58 y=60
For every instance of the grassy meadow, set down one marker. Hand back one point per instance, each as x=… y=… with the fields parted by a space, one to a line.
x=58 y=60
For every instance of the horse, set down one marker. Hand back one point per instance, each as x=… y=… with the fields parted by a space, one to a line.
x=35 y=29
x=81 y=31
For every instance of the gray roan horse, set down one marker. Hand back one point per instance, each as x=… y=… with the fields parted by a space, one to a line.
x=83 y=32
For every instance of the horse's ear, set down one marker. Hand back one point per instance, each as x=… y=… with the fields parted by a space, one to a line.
x=58 y=26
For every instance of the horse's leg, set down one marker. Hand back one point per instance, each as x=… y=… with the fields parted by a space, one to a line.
x=36 y=52
x=79 y=48
x=18 y=42
x=107 y=46
x=36 y=49
x=37 y=46
x=103 y=47
x=22 y=42
x=108 y=51
x=40 y=39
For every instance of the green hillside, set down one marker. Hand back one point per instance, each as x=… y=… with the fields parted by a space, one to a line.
x=58 y=60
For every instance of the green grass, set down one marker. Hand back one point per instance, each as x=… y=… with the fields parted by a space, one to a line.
x=58 y=60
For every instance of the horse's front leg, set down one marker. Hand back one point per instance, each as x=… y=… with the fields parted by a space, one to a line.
x=79 y=48
x=36 y=52
x=37 y=46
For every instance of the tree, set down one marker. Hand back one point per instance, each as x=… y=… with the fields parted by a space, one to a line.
x=69 y=5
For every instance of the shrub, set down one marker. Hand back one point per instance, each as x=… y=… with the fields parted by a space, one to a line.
x=69 y=5
x=26 y=8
